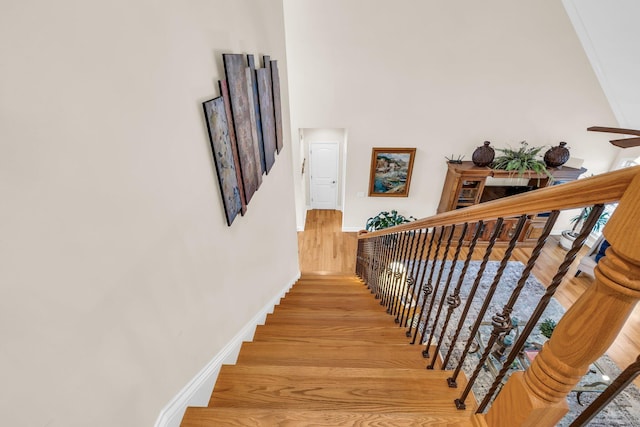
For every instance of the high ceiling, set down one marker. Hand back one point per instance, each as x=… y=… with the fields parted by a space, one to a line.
x=609 y=33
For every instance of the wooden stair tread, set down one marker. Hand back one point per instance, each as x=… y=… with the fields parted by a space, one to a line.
x=201 y=417
x=323 y=289
x=337 y=355
x=331 y=320
x=330 y=354
x=371 y=334
x=351 y=389
x=338 y=373
x=332 y=303
x=379 y=310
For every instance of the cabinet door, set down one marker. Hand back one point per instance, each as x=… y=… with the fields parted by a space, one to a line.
x=469 y=192
x=533 y=229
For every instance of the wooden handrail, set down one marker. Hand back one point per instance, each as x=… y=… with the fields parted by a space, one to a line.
x=537 y=396
x=605 y=188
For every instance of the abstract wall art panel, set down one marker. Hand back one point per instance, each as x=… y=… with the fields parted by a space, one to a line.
x=216 y=118
x=277 y=104
x=265 y=98
x=224 y=91
x=254 y=91
x=391 y=171
x=235 y=70
x=254 y=131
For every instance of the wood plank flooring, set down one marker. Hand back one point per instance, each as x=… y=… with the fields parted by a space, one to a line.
x=324 y=248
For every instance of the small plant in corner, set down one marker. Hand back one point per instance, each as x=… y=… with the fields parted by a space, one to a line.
x=521 y=160
x=385 y=220
x=547 y=327
x=455 y=160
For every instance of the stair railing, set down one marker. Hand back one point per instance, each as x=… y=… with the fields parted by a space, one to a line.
x=425 y=292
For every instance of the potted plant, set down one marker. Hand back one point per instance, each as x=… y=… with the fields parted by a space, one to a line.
x=385 y=220
x=568 y=236
x=547 y=326
x=522 y=160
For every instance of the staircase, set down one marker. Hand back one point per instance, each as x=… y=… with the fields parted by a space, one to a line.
x=331 y=355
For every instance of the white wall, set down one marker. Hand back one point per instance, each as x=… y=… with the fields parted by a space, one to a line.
x=442 y=77
x=119 y=278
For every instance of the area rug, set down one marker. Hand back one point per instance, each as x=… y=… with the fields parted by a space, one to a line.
x=623 y=411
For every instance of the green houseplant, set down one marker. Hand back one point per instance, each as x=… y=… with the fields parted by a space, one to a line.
x=568 y=236
x=386 y=219
x=547 y=326
x=522 y=160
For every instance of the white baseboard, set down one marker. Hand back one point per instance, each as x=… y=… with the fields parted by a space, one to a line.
x=198 y=391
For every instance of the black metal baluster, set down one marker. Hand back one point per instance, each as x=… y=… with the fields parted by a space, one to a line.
x=453 y=301
x=390 y=278
x=428 y=289
x=544 y=301
x=381 y=255
x=369 y=245
x=425 y=353
x=472 y=293
x=421 y=285
x=404 y=282
x=360 y=259
x=501 y=322
x=411 y=290
x=389 y=288
x=399 y=266
x=620 y=383
x=444 y=296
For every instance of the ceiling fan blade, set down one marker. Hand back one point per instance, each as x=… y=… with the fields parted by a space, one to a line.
x=614 y=130
x=626 y=142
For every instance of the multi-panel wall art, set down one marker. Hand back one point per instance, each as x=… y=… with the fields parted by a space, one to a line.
x=223 y=156
x=245 y=128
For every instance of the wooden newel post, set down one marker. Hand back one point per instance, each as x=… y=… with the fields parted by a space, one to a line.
x=537 y=397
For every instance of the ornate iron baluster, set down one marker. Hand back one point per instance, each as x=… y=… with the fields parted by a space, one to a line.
x=391 y=276
x=501 y=322
x=428 y=289
x=404 y=284
x=544 y=301
x=492 y=240
x=444 y=295
x=620 y=383
x=421 y=284
x=392 y=247
x=453 y=301
x=411 y=290
x=401 y=266
x=425 y=353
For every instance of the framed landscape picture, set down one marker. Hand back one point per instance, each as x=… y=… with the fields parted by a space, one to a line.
x=391 y=172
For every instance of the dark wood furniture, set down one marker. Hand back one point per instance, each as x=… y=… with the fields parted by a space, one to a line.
x=465 y=185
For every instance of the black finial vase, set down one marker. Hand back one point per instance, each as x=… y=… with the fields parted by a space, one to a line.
x=483 y=155
x=557 y=156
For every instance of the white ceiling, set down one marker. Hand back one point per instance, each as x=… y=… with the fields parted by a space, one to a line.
x=610 y=35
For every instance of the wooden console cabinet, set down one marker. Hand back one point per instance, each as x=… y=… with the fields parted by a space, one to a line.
x=464 y=186
x=465 y=182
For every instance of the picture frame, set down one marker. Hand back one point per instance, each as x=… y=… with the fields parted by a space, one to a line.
x=391 y=170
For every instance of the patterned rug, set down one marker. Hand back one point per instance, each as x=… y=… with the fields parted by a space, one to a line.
x=623 y=411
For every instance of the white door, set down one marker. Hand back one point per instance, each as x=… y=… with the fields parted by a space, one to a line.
x=323 y=162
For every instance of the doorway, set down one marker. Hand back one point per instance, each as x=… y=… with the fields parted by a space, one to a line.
x=324 y=176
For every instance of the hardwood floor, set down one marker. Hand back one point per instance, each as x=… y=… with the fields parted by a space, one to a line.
x=324 y=248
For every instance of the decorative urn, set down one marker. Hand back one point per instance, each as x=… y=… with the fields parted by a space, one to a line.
x=483 y=155
x=557 y=156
